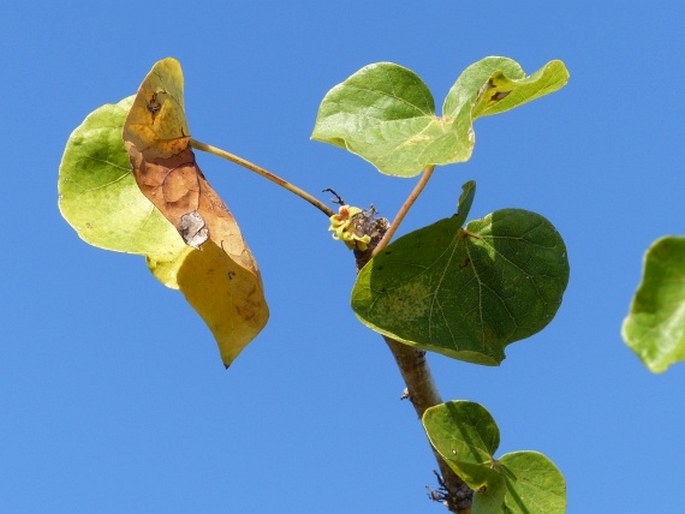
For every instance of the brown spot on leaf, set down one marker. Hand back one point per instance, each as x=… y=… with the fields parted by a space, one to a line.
x=153 y=105
x=496 y=97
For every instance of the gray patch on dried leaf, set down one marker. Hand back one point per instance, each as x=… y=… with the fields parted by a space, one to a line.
x=193 y=230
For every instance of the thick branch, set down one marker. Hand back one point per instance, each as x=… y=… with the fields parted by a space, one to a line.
x=423 y=394
x=415 y=371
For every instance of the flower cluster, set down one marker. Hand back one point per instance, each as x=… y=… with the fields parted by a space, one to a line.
x=345 y=228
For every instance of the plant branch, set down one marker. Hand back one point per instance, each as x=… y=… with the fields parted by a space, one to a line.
x=198 y=145
x=423 y=394
x=404 y=209
x=413 y=366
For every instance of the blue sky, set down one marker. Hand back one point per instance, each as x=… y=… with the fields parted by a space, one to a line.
x=112 y=393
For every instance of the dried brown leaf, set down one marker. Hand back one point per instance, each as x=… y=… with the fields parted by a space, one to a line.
x=221 y=278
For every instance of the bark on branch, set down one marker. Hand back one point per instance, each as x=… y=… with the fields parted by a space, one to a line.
x=423 y=394
x=453 y=492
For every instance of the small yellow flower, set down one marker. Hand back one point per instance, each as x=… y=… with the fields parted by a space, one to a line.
x=343 y=228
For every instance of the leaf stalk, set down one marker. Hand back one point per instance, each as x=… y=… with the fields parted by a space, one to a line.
x=198 y=145
x=404 y=209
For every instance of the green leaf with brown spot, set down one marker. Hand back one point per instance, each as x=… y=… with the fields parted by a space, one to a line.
x=386 y=114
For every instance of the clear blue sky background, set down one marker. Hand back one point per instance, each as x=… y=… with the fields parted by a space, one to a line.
x=112 y=394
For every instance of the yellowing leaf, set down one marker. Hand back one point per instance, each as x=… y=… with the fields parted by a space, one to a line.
x=220 y=279
x=156 y=123
x=99 y=197
x=226 y=295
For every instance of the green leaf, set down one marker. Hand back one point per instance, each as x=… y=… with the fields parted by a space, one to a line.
x=502 y=85
x=534 y=484
x=466 y=437
x=466 y=293
x=655 y=325
x=468 y=192
x=386 y=114
x=100 y=199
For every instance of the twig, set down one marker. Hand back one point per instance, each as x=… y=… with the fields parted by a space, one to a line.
x=423 y=394
x=264 y=173
x=421 y=389
x=404 y=209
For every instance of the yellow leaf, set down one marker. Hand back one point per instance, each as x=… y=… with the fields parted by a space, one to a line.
x=226 y=295
x=156 y=123
x=220 y=277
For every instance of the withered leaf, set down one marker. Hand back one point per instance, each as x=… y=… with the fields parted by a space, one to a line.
x=220 y=278
x=156 y=123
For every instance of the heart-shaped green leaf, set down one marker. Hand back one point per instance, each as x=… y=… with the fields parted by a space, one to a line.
x=655 y=326
x=99 y=197
x=466 y=437
x=466 y=292
x=534 y=484
x=386 y=114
